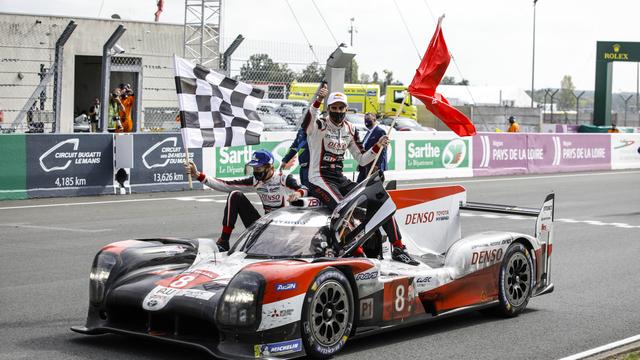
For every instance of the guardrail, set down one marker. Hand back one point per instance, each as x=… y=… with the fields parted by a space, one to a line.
x=47 y=165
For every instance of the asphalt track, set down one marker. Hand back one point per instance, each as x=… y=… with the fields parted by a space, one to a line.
x=46 y=253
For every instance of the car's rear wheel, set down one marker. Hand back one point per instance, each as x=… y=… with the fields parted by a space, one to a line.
x=327 y=314
x=515 y=281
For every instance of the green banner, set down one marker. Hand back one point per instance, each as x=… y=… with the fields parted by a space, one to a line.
x=230 y=161
x=13 y=177
x=437 y=154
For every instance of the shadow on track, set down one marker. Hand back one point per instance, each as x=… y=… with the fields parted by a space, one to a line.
x=434 y=327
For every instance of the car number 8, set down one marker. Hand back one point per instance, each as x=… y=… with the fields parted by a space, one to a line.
x=182 y=282
x=399 y=302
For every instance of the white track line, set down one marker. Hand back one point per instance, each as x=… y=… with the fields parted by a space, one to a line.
x=610 y=173
x=27 y=226
x=183 y=198
x=603 y=348
x=568 y=221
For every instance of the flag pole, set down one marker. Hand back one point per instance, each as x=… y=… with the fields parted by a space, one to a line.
x=186 y=161
x=373 y=164
x=393 y=123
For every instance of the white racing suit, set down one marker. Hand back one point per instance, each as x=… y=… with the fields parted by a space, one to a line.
x=328 y=144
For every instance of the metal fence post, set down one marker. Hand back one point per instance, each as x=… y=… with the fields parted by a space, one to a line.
x=105 y=75
x=57 y=75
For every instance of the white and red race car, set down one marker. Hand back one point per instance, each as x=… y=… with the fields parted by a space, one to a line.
x=289 y=286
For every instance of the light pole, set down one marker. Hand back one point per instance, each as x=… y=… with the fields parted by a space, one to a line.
x=533 y=55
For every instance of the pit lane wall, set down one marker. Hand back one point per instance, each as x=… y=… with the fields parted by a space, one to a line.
x=45 y=165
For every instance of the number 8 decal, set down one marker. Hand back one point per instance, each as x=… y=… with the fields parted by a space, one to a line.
x=399 y=302
x=182 y=282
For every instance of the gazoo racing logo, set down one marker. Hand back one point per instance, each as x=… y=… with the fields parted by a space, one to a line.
x=454 y=153
x=486 y=256
x=170 y=152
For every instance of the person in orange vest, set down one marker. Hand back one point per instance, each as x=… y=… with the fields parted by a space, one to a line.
x=514 y=127
x=613 y=129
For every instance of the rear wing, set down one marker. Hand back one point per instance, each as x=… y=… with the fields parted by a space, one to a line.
x=543 y=230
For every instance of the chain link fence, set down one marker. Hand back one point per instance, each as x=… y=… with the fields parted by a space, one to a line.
x=147 y=65
x=27 y=53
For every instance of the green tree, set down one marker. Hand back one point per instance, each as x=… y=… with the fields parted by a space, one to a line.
x=375 y=77
x=448 y=80
x=464 y=82
x=365 y=78
x=388 y=77
x=312 y=73
x=351 y=73
x=260 y=67
x=566 y=99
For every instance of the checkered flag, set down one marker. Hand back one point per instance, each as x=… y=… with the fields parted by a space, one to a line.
x=216 y=111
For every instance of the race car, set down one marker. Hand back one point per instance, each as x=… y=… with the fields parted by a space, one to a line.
x=290 y=287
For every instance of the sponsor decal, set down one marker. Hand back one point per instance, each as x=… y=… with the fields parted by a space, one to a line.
x=286 y=286
x=423 y=280
x=437 y=154
x=281 y=313
x=367 y=275
x=366 y=309
x=196 y=294
x=279 y=348
x=486 y=256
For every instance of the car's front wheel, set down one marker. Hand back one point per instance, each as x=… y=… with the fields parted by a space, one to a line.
x=327 y=314
x=515 y=281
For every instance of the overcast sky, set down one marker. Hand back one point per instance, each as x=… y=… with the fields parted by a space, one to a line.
x=491 y=40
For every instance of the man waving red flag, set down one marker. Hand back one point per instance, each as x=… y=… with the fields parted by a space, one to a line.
x=428 y=75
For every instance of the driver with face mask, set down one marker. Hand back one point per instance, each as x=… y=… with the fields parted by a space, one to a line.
x=328 y=141
x=275 y=190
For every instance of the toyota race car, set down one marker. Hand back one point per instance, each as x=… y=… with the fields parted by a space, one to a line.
x=289 y=286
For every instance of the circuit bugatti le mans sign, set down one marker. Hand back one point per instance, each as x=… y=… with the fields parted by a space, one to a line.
x=64 y=165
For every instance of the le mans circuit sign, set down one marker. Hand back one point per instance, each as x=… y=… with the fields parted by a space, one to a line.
x=606 y=53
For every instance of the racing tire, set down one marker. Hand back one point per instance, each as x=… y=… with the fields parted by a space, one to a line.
x=515 y=282
x=327 y=314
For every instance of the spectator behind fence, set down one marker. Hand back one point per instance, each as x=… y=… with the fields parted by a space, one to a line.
x=94 y=114
x=613 y=129
x=514 y=127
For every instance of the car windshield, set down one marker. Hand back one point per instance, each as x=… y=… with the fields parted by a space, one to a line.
x=285 y=234
x=406 y=123
x=272 y=120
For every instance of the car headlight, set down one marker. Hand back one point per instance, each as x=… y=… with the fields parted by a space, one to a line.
x=102 y=266
x=241 y=299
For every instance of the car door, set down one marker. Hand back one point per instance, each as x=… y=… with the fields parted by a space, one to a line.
x=362 y=211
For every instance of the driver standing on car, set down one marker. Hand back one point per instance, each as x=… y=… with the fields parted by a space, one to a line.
x=328 y=140
x=273 y=188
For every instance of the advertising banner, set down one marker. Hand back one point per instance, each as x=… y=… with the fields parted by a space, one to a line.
x=13 y=177
x=229 y=162
x=69 y=165
x=625 y=151
x=501 y=154
x=562 y=153
x=158 y=163
x=436 y=154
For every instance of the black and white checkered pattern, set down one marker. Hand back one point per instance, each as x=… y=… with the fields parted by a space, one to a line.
x=216 y=111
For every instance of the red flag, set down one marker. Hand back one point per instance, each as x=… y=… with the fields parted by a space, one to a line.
x=428 y=75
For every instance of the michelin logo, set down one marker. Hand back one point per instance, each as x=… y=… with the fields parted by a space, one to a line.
x=279 y=348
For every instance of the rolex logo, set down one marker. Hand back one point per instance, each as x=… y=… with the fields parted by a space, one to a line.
x=616 y=48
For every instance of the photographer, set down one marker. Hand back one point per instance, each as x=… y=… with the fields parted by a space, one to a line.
x=121 y=102
x=115 y=109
